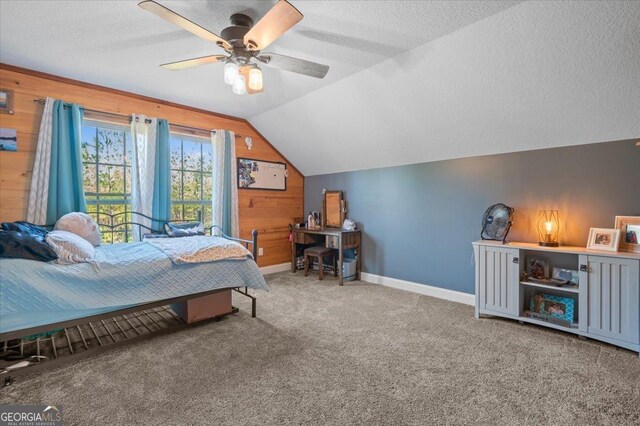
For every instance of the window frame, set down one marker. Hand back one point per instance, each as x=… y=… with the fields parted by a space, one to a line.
x=95 y=198
x=203 y=201
x=99 y=198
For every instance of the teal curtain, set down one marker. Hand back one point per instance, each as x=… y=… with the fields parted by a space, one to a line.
x=227 y=206
x=66 y=193
x=162 y=181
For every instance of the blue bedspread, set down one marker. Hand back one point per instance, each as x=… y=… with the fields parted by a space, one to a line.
x=37 y=293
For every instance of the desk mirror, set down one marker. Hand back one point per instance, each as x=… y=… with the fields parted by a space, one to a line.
x=332 y=209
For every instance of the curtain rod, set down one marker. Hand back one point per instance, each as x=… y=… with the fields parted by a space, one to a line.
x=42 y=101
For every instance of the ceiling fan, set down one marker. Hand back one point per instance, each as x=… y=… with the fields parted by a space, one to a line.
x=243 y=42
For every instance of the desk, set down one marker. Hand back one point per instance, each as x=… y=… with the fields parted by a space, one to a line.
x=332 y=238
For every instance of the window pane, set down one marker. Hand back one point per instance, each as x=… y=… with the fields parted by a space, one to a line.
x=191 y=212
x=111 y=180
x=207 y=219
x=207 y=186
x=120 y=212
x=120 y=216
x=105 y=234
x=207 y=158
x=119 y=237
x=176 y=153
x=89 y=177
x=88 y=144
x=176 y=185
x=192 y=157
x=176 y=211
x=128 y=181
x=192 y=185
x=111 y=146
x=127 y=146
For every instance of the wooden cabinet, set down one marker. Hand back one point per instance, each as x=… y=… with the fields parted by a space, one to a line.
x=498 y=271
x=605 y=305
x=613 y=298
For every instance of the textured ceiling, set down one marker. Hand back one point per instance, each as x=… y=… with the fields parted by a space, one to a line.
x=537 y=75
x=117 y=44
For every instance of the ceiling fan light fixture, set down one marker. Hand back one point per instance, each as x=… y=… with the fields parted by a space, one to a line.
x=255 y=78
x=243 y=43
x=231 y=73
x=239 y=86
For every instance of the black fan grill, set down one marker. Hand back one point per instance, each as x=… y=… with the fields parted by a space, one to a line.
x=496 y=222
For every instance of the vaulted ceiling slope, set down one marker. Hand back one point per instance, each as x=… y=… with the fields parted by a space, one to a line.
x=119 y=45
x=537 y=75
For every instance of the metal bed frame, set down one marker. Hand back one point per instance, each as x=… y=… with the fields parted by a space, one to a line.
x=85 y=336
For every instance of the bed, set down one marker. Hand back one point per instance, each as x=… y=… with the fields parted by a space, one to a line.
x=37 y=297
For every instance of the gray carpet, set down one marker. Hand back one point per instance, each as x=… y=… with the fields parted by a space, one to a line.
x=324 y=354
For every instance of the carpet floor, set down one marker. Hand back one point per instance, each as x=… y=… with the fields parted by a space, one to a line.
x=359 y=354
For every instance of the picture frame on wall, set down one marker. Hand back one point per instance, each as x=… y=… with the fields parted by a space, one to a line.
x=259 y=174
x=605 y=239
x=6 y=101
x=629 y=227
x=8 y=139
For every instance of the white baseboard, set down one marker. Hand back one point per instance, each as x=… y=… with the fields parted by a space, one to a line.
x=427 y=290
x=272 y=269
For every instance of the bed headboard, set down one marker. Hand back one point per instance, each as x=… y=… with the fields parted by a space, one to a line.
x=121 y=223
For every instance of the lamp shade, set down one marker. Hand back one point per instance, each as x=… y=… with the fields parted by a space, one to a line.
x=230 y=72
x=255 y=78
x=239 y=86
x=548 y=227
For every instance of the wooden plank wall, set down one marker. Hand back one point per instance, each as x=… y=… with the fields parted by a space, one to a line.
x=270 y=212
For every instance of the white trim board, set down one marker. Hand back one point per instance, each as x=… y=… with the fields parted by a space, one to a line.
x=424 y=289
x=272 y=269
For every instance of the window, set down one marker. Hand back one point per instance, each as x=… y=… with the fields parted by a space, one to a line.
x=106 y=158
x=191 y=181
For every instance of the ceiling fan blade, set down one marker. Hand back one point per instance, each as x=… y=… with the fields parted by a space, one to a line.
x=278 y=20
x=179 y=20
x=296 y=65
x=190 y=63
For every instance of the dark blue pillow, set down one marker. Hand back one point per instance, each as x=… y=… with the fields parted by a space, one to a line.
x=21 y=245
x=25 y=227
x=185 y=229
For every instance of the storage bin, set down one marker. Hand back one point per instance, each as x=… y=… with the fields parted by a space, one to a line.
x=349 y=269
x=205 y=307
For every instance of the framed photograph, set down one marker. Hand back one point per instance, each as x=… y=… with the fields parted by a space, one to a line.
x=6 y=101
x=258 y=174
x=554 y=306
x=8 y=139
x=566 y=275
x=604 y=239
x=538 y=268
x=629 y=227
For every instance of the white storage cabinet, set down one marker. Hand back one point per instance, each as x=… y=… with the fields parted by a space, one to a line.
x=606 y=302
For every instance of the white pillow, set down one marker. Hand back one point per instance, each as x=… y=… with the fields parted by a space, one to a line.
x=71 y=248
x=80 y=224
